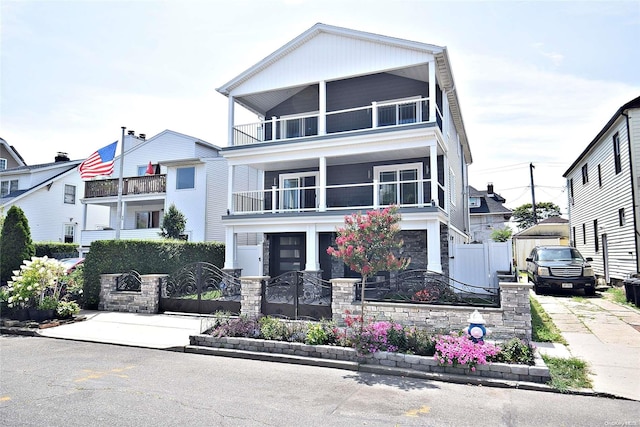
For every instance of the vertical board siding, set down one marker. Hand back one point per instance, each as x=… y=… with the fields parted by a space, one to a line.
x=602 y=203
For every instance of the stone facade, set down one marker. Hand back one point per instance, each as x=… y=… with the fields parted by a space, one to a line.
x=147 y=300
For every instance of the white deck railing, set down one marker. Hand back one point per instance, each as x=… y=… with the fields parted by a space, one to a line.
x=361 y=196
x=372 y=116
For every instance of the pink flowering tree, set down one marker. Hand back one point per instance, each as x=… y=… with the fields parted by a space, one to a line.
x=366 y=243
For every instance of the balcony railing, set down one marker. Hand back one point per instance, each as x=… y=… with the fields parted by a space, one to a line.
x=89 y=236
x=148 y=184
x=372 y=116
x=361 y=196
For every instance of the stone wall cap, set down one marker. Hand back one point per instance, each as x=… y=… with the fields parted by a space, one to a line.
x=516 y=285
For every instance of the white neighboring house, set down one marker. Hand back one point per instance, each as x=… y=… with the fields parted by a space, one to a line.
x=346 y=121
x=49 y=194
x=487 y=213
x=187 y=172
x=604 y=196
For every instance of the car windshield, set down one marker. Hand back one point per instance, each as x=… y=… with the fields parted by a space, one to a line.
x=559 y=254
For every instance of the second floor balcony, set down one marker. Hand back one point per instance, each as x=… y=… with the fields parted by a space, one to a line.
x=373 y=116
x=149 y=184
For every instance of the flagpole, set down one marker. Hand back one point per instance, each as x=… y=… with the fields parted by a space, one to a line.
x=119 y=205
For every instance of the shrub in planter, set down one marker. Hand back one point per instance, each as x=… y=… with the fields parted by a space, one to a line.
x=36 y=279
x=242 y=326
x=515 y=351
x=67 y=309
x=273 y=329
x=460 y=350
x=322 y=333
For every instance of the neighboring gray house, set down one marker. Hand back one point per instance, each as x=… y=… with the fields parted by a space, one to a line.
x=346 y=121
x=604 y=196
x=9 y=156
x=487 y=213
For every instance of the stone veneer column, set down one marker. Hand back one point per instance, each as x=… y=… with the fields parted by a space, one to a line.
x=107 y=286
x=516 y=308
x=343 y=293
x=251 y=295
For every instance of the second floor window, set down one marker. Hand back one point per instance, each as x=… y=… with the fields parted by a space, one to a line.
x=399 y=184
x=70 y=194
x=616 y=153
x=185 y=178
x=621 y=218
x=585 y=174
x=7 y=187
x=3 y=164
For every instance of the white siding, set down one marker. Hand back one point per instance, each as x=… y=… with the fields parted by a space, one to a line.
x=602 y=203
x=216 y=190
x=328 y=57
x=191 y=202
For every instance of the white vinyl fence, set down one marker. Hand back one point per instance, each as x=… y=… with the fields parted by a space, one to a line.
x=478 y=264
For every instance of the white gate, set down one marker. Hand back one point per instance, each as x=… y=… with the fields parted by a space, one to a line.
x=250 y=260
x=478 y=264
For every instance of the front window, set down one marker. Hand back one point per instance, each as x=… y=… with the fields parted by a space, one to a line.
x=69 y=233
x=298 y=191
x=399 y=184
x=185 y=178
x=70 y=194
x=148 y=219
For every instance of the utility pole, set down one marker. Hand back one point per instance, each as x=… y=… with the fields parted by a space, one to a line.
x=533 y=195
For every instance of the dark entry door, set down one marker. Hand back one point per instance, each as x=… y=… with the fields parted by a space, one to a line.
x=288 y=253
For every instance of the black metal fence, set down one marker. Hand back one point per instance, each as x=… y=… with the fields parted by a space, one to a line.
x=427 y=287
x=129 y=281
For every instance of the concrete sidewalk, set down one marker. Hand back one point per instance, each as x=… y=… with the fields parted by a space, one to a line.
x=160 y=331
x=604 y=334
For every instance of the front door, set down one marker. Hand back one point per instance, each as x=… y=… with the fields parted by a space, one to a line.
x=287 y=253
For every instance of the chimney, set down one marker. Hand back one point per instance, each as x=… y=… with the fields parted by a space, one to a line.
x=131 y=133
x=142 y=136
x=490 y=189
x=62 y=157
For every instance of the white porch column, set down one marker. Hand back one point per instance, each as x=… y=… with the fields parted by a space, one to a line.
x=84 y=216
x=322 y=107
x=322 y=168
x=432 y=91
x=229 y=248
x=433 y=246
x=433 y=166
x=231 y=121
x=313 y=263
x=123 y=215
x=230 y=169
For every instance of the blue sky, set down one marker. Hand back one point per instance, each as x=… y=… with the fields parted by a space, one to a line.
x=536 y=80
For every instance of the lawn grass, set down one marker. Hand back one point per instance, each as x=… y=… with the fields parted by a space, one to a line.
x=543 y=328
x=567 y=373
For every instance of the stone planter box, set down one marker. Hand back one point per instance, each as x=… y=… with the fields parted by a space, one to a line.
x=538 y=373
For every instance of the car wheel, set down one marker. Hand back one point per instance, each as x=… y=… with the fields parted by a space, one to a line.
x=537 y=289
x=589 y=291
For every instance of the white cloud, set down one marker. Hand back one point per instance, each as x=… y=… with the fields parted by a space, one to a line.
x=556 y=58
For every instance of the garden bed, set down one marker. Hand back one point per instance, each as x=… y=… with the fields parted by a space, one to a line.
x=538 y=373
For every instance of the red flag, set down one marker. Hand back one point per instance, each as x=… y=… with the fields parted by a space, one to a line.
x=99 y=163
x=150 y=170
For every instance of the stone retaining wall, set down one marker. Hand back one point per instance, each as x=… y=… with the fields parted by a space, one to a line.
x=538 y=373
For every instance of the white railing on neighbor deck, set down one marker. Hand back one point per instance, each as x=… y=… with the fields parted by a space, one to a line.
x=361 y=196
x=88 y=236
x=376 y=115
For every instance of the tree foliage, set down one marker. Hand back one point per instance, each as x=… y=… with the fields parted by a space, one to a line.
x=366 y=244
x=523 y=215
x=173 y=223
x=15 y=239
x=501 y=234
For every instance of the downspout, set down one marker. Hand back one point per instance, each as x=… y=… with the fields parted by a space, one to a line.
x=633 y=192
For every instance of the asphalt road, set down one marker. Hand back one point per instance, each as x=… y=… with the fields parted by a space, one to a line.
x=49 y=382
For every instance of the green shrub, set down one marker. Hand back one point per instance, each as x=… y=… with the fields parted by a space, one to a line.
x=515 y=351
x=420 y=342
x=321 y=333
x=145 y=257
x=273 y=329
x=15 y=239
x=56 y=250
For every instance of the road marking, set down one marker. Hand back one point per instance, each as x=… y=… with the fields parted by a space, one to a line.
x=416 y=412
x=4 y=398
x=96 y=375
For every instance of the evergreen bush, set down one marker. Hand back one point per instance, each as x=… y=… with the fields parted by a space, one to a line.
x=15 y=241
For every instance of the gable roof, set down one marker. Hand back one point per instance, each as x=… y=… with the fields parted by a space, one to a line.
x=13 y=152
x=489 y=205
x=443 y=68
x=634 y=103
x=12 y=197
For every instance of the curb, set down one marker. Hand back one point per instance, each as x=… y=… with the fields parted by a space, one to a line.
x=337 y=364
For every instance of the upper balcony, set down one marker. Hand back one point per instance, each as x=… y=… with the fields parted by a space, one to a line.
x=135 y=185
x=376 y=115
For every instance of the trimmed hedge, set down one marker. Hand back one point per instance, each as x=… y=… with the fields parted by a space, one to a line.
x=56 y=250
x=143 y=256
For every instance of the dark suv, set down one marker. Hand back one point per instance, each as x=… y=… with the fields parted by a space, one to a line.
x=560 y=267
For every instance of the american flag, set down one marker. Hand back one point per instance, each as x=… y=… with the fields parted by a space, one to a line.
x=99 y=163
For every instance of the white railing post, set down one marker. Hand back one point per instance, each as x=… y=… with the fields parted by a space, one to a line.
x=274 y=123
x=322 y=117
x=322 y=170
x=273 y=198
x=376 y=194
x=374 y=114
x=432 y=91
